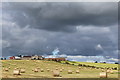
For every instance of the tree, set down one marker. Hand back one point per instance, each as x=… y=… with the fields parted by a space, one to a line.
x=96 y=62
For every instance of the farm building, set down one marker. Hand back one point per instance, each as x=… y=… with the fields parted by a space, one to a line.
x=55 y=56
x=26 y=58
x=55 y=59
x=36 y=57
x=12 y=57
x=17 y=58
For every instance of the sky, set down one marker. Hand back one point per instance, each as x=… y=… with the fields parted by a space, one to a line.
x=75 y=28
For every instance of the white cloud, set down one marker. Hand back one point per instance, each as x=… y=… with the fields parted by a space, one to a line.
x=99 y=47
x=93 y=29
x=113 y=59
x=91 y=59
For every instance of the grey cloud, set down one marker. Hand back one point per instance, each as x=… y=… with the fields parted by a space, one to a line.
x=62 y=16
x=38 y=28
x=35 y=41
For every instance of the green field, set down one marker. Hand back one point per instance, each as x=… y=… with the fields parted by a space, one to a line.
x=29 y=65
x=103 y=65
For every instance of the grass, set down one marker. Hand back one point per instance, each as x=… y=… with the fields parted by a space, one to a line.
x=32 y=64
x=103 y=65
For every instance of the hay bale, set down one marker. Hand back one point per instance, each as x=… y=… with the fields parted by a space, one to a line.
x=103 y=74
x=111 y=72
x=61 y=70
x=6 y=69
x=56 y=73
x=42 y=70
x=35 y=70
x=102 y=70
x=32 y=69
x=108 y=71
x=79 y=67
x=48 y=70
x=17 y=67
x=22 y=70
x=56 y=68
x=16 y=72
x=69 y=71
x=77 y=71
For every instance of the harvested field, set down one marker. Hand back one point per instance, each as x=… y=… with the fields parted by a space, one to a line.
x=46 y=68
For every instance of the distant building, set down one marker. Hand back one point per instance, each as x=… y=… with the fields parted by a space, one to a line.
x=36 y=57
x=17 y=58
x=22 y=57
x=12 y=57
x=55 y=56
x=55 y=59
x=26 y=58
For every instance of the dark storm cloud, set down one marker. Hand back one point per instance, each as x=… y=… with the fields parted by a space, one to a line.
x=62 y=16
x=75 y=28
x=34 y=41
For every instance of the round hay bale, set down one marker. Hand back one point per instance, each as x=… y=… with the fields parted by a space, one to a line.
x=111 y=72
x=56 y=68
x=17 y=67
x=69 y=71
x=48 y=70
x=77 y=71
x=61 y=70
x=32 y=69
x=103 y=74
x=22 y=70
x=79 y=67
x=42 y=70
x=6 y=69
x=56 y=73
x=16 y=72
x=108 y=71
x=9 y=67
x=35 y=70
x=102 y=70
